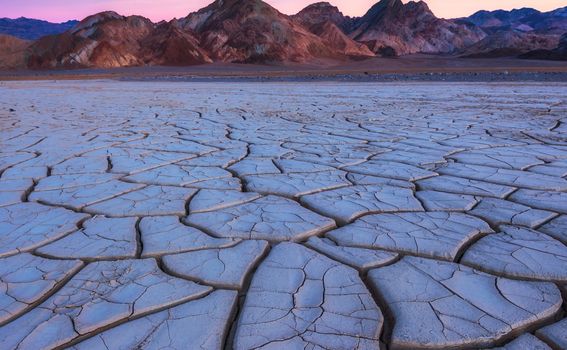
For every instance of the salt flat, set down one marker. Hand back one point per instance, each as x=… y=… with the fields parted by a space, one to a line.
x=317 y=215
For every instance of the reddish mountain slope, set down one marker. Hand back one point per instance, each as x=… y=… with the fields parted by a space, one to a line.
x=558 y=54
x=103 y=40
x=328 y=23
x=171 y=46
x=12 y=52
x=339 y=41
x=321 y=12
x=108 y=40
x=412 y=28
x=253 y=31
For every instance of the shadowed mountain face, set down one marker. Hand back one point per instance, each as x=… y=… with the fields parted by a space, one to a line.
x=32 y=29
x=339 y=41
x=12 y=52
x=510 y=43
x=411 y=28
x=557 y=54
x=169 y=45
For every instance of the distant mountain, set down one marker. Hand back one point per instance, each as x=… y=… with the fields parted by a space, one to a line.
x=559 y=53
x=501 y=18
x=525 y=20
x=510 y=43
x=516 y=32
x=412 y=28
x=32 y=29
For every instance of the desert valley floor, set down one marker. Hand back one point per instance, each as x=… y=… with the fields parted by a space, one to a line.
x=171 y=215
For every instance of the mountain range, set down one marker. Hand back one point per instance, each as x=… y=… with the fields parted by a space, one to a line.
x=32 y=29
x=251 y=31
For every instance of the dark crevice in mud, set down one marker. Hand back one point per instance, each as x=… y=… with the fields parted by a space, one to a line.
x=29 y=191
x=469 y=243
x=109 y=165
x=44 y=297
x=139 y=240
x=68 y=207
x=417 y=121
x=389 y=319
x=528 y=329
x=361 y=272
x=188 y=202
x=229 y=343
x=234 y=174
x=546 y=221
x=170 y=272
x=100 y=330
x=203 y=229
x=557 y=125
x=83 y=259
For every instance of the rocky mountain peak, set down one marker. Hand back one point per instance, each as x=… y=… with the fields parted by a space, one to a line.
x=96 y=19
x=321 y=12
x=412 y=28
x=318 y=13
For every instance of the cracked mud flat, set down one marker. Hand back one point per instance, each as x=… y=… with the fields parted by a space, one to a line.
x=139 y=215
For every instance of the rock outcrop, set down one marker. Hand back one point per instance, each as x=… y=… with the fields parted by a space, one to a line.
x=339 y=41
x=109 y=40
x=171 y=46
x=557 y=54
x=328 y=23
x=12 y=51
x=321 y=12
x=103 y=40
x=412 y=28
x=251 y=31
x=510 y=43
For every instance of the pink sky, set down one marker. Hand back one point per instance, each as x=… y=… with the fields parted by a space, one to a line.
x=62 y=10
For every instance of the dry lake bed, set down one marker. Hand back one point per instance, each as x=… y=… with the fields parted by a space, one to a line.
x=217 y=215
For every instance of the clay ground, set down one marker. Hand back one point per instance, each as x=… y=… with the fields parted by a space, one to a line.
x=187 y=215
x=414 y=67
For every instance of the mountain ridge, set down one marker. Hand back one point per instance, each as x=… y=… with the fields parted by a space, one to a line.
x=252 y=31
x=525 y=19
x=32 y=29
